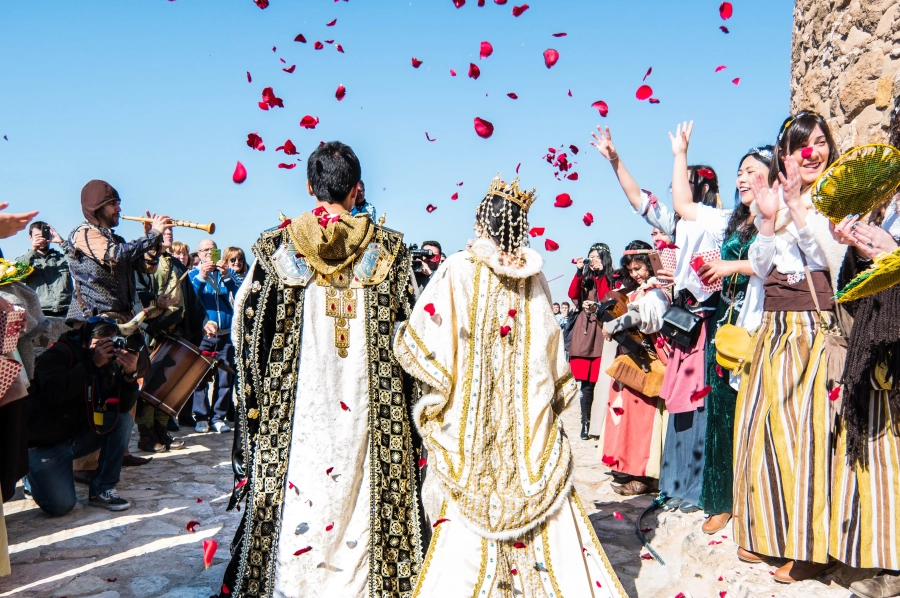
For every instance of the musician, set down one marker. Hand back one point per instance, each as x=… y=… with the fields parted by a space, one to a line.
x=324 y=452
x=633 y=431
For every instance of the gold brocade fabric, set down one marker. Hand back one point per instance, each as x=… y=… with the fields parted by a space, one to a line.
x=332 y=248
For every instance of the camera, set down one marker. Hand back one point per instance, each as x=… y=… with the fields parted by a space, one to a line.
x=131 y=343
x=45 y=232
x=418 y=255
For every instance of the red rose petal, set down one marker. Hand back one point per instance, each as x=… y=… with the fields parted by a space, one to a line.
x=806 y=153
x=430 y=208
x=486 y=50
x=608 y=460
x=439 y=521
x=429 y=138
x=500 y=2
x=339 y=48
x=680 y=595
x=452 y=73
x=309 y=122
x=573 y=176
x=191 y=526
x=240 y=174
x=649 y=70
x=474 y=71
x=459 y=3
x=536 y=231
x=726 y=10
x=520 y=545
x=288 y=148
x=618 y=515
x=724 y=29
x=512 y=313
x=644 y=92
x=262 y=3
x=719 y=371
x=331 y=23
x=513 y=572
x=720 y=578
x=455 y=196
x=341 y=92
x=647 y=556
x=560 y=34
x=722 y=594
x=303 y=551
x=706 y=173
x=550 y=57
x=588 y=219
x=287 y=166
x=721 y=68
x=329 y=527
x=429 y=309
x=423 y=462
x=714 y=543
x=416 y=63
x=504 y=330
x=646 y=530
x=110 y=580
x=517 y=167
x=254 y=141
x=598 y=584
x=483 y=128
x=551 y=245
x=329 y=470
x=274 y=48
x=249 y=78
x=344 y=406
x=574 y=149
x=300 y=38
x=736 y=80
x=834 y=393
x=512 y=96
x=563 y=200
x=318 y=45
x=290 y=69
x=518 y=10
x=269 y=97
x=699 y=394
x=209 y=550
x=283 y=61
x=601 y=107
x=618 y=410
x=569 y=93
x=480 y=3
x=225 y=589
x=291 y=485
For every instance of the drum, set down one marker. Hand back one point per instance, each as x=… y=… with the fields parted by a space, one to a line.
x=176 y=368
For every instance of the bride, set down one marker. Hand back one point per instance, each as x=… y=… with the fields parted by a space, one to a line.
x=498 y=492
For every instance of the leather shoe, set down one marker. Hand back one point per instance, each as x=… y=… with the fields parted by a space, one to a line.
x=800 y=571
x=132 y=461
x=882 y=586
x=716 y=523
x=749 y=557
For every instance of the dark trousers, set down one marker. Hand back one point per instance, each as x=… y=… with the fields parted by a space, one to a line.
x=221 y=385
x=587 y=400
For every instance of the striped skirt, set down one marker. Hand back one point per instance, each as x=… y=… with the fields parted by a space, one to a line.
x=782 y=442
x=865 y=520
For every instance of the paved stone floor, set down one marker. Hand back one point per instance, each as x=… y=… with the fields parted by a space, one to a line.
x=147 y=552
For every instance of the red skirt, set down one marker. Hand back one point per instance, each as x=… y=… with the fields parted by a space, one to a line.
x=585 y=369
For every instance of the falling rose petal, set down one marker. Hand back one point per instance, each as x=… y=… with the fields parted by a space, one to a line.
x=339 y=48
x=569 y=93
x=719 y=371
x=430 y=208
x=240 y=174
x=480 y=3
x=269 y=97
x=653 y=100
x=283 y=60
x=288 y=148
x=618 y=410
x=303 y=551
x=249 y=78
x=706 y=173
x=254 y=141
x=618 y=515
x=209 y=550
x=500 y=2
x=331 y=23
x=274 y=48
x=263 y=106
x=341 y=92
x=649 y=70
x=551 y=245
x=512 y=313
x=309 y=122
x=602 y=107
x=560 y=34
x=588 y=219
x=439 y=521
x=574 y=149
x=517 y=167
x=191 y=526
x=474 y=71
x=513 y=571
x=834 y=393
x=262 y=3
x=459 y=3
x=536 y=232
x=736 y=80
x=518 y=10
x=721 y=68
x=416 y=63
x=598 y=584
x=290 y=69
x=452 y=73
x=644 y=92
x=460 y=184
x=287 y=166
x=483 y=128
x=726 y=10
x=344 y=406
x=724 y=29
x=486 y=50
x=329 y=470
x=550 y=57
x=563 y=200
x=329 y=527
x=699 y=394
x=300 y=38
x=318 y=45
x=573 y=176
x=429 y=138
x=455 y=196
x=512 y=96
x=520 y=545
x=422 y=462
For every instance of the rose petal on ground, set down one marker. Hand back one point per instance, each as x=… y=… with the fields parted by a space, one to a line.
x=240 y=174
x=551 y=56
x=303 y=551
x=512 y=96
x=721 y=68
x=455 y=196
x=588 y=219
x=726 y=10
x=416 y=63
x=287 y=166
x=300 y=38
x=647 y=556
x=483 y=128
x=551 y=245
x=714 y=543
x=329 y=527
x=618 y=515
x=430 y=208
x=562 y=34
x=486 y=50
x=644 y=92
x=290 y=69
x=111 y=579
x=249 y=78
x=331 y=23
x=518 y=10
x=736 y=80
x=646 y=530
x=209 y=550
x=649 y=70
x=513 y=572
x=699 y=394
x=439 y=521
x=191 y=526
x=602 y=107
x=341 y=92
x=474 y=71
x=536 y=231
x=329 y=470
x=309 y=122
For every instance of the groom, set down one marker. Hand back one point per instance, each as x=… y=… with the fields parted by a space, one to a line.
x=323 y=454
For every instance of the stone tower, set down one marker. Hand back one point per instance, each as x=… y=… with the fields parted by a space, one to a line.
x=846 y=66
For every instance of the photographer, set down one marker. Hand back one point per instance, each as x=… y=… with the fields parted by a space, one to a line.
x=425 y=261
x=83 y=389
x=50 y=279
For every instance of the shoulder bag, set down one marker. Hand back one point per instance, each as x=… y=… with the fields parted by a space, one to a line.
x=835 y=341
x=733 y=343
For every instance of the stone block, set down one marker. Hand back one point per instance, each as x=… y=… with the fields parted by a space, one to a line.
x=856 y=88
x=148 y=586
x=884 y=92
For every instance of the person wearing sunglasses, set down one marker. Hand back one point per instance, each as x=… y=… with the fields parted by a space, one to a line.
x=234 y=257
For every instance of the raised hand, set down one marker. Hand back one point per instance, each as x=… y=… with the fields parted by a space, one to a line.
x=682 y=138
x=791 y=183
x=766 y=198
x=604 y=144
x=10 y=224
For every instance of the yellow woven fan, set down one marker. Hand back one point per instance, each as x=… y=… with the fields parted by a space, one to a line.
x=858 y=182
x=883 y=274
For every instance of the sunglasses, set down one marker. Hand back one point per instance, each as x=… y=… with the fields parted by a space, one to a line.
x=235 y=260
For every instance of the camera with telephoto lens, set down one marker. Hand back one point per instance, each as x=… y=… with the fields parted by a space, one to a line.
x=132 y=343
x=418 y=255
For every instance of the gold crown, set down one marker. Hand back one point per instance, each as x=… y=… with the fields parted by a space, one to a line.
x=511 y=192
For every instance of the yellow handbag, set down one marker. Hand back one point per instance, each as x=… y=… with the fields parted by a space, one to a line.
x=733 y=343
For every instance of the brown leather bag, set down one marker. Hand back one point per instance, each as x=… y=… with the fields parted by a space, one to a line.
x=627 y=372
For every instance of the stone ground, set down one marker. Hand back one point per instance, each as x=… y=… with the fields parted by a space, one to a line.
x=147 y=551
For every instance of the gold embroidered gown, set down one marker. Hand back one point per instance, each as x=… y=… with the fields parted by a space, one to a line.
x=483 y=341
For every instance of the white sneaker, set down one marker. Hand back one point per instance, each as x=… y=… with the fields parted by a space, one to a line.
x=221 y=427
x=202 y=427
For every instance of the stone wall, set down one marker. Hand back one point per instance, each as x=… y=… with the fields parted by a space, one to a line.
x=846 y=66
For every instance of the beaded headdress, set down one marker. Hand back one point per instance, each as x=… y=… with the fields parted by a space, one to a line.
x=511 y=232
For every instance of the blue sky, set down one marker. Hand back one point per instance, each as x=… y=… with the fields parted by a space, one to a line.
x=152 y=96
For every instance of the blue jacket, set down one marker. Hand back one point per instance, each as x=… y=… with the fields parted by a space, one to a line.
x=216 y=293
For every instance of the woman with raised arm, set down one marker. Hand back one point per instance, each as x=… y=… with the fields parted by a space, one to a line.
x=783 y=422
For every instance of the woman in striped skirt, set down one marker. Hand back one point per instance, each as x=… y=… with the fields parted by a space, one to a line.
x=783 y=420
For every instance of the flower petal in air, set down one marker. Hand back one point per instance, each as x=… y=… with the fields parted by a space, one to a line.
x=439 y=521
x=518 y=10
x=573 y=176
x=551 y=56
x=653 y=100
x=726 y=10
x=517 y=167
x=588 y=219
x=699 y=394
x=309 y=122
x=249 y=78
x=318 y=45
x=736 y=80
x=474 y=71
x=240 y=174
x=341 y=92
x=192 y=526
x=455 y=196
x=504 y=331
x=483 y=128
x=706 y=173
x=569 y=93
x=430 y=208
x=287 y=166
x=536 y=231
x=289 y=148
x=459 y=3
x=724 y=29
x=339 y=48
x=416 y=63
x=331 y=23
x=561 y=34
x=551 y=245
x=290 y=69
x=644 y=92
x=563 y=200
x=513 y=571
x=512 y=96
x=209 y=551
x=602 y=107
x=618 y=410
x=573 y=149
x=452 y=73
x=300 y=38
x=254 y=141
x=486 y=50
x=262 y=3
x=423 y=462
x=649 y=70
x=721 y=68
x=303 y=551
x=719 y=371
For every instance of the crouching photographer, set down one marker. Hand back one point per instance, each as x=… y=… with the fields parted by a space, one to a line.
x=83 y=389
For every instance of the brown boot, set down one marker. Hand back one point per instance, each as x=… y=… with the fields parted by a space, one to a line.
x=163 y=434
x=749 y=557
x=148 y=441
x=716 y=523
x=800 y=571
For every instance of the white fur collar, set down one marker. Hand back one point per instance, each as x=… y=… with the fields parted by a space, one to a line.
x=488 y=252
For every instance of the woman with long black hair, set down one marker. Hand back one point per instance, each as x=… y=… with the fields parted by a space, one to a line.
x=591 y=282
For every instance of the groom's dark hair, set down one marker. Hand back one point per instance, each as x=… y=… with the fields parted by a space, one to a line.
x=333 y=171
